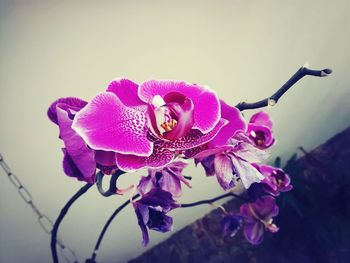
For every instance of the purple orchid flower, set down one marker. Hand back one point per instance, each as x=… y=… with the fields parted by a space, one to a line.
x=168 y=178
x=79 y=160
x=260 y=130
x=232 y=160
x=151 y=212
x=231 y=224
x=276 y=180
x=258 y=217
x=148 y=125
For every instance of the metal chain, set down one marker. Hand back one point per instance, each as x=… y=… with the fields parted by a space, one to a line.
x=44 y=221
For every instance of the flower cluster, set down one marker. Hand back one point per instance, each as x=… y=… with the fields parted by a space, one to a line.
x=159 y=126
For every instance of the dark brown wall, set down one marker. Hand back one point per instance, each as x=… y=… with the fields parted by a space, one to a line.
x=314 y=219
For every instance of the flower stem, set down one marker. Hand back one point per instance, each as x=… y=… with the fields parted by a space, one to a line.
x=112 y=190
x=105 y=227
x=210 y=201
x=60 y=218
x=272 y=100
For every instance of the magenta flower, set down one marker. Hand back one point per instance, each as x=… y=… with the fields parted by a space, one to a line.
x=151 y=212
x=148 y=125
x=168 y=178
x=260 y=130
x=79 y=160
x=258 y=217
x=276 y=180
x=233 y=160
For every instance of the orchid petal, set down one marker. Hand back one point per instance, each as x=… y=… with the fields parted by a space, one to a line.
x=107 y=124
x=105 y=158
x=65 y=103
x=71 y=169
x=236 y=123
x=254 y=232
x=246 y=171
x=142 y=218
x=261 y=118
x=159 y=158
x=170 y=183
x=76 y=148
x=265 y=207
x=145 y=185
x=224 y=171
x=205 y=101
x=126 y=91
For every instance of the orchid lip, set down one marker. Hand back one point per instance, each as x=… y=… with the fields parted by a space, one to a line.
x=170 y=117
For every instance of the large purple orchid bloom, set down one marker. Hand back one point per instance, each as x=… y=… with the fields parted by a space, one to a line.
x=79 y=160
x=260 y=130
x=151 y=212
x=168 y=178
x=231 y=162
x=148 y=125
x=258 y=217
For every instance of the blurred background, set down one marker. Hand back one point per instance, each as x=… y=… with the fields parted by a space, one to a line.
x=244 y=50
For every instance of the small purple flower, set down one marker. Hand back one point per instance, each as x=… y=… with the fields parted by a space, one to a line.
x=231 y=224
x=151 y=211
x=79 y=160
x=260 y=130
x=226 y=161
x=258 y=217
x=168 y=178
x=148 y=125
x=276 y=180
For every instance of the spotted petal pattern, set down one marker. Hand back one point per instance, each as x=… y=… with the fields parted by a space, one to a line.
x=107 y=124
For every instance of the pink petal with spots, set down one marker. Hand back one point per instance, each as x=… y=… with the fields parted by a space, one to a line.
x=107 y=124
x=236 y=123
x=194 y=138
x=126 y=91
x=159 y=158
x=206 y=104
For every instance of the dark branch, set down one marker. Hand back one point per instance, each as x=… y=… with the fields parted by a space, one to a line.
x=60 y=218
x=272 y=100
x=210 y=201
x=112 y=183
x=103 y=232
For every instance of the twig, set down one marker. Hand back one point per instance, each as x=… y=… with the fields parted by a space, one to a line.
x=60 y=218
x=272 y=100
x=112 y=190
x=210 y=201
x=103 y=232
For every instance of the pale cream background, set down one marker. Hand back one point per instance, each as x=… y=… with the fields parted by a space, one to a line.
x=243 y=49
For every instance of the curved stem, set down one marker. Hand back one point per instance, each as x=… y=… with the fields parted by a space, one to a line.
x=105 y=227
x=112 y=183
x=210 y=201
x=60 y=218
x=272 y=100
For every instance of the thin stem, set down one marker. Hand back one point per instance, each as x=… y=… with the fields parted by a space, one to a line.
x=272 y=100
x=109 y=221
x=210 y=201
x=126 y=203
x=60 y=218
x=112 y=190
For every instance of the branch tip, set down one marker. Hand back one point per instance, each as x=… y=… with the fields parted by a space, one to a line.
x=326 y=72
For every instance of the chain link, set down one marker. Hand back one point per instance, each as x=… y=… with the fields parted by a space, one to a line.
x=44 y=221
